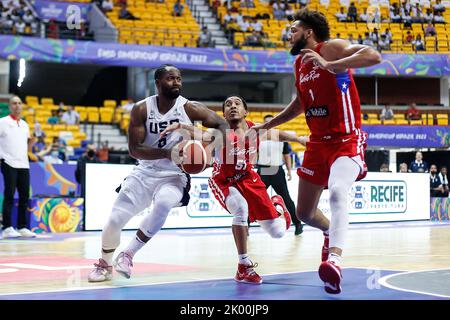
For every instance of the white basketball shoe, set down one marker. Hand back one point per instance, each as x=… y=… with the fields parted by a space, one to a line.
x=102 y=272
x=123 y=264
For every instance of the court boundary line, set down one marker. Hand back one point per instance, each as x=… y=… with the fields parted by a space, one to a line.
x=383 y=281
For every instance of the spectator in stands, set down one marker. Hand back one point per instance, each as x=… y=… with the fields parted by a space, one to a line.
x=285 y=34
x=368 y=40
x=438 y=7
x=409 y=37
x=395 y=16
x=406 y=19
x=387 y=113
x=103 y=153
x=129 y=105
x=352 y=12
x=385 y=168
x=278 y=10
x=443 y=178
x=53 y=119
x=278 y=5
x=178 y=9
x=20 y=27
x=413 y=113
x=257 y=26
x=39 y=145
x=244 y=25
x=28 y=16
x=439 y=18
x=428 y=17
x=403 y=168
x=205 y=38
x=351 y=40
x=388 y=34
x=418 y=43
x=37 y=131
x=289 y=12
x=247 y=4
x=436 y=187
x=88 y=157
x=231 y=28
x=363 y=16
x=430 y=30
x=417 y=15
x=254 y=39
x=360 y=39
x=125 y=14
x=107 y=5
x=52 y=29
x=375 y=35
x=341 y=15
x=52 y=156
x=384 y=43
x=70 y=117
x=418 y=165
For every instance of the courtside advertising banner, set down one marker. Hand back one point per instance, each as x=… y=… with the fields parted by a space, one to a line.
x=379 y=197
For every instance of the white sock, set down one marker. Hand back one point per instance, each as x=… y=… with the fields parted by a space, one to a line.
x=335 y=258
x=243 y=259
x=108 y=257
x=135 y=245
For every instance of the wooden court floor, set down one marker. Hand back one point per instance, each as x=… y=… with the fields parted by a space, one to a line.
x=61 y=262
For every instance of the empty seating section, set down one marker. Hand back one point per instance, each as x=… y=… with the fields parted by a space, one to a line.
x=273 y=28
x=156 y=25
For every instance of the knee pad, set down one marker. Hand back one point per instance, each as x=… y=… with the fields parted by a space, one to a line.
x=238 y=207
x=276 y=228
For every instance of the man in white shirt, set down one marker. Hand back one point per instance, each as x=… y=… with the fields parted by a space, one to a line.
x=272 y=154
x=70 y=117
x=341 y=16
x=15 y=142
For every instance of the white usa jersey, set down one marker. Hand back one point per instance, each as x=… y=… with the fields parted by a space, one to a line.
x=155 y=124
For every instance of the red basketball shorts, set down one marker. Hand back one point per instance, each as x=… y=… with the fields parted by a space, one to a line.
x=252 y=188
x=320 y=155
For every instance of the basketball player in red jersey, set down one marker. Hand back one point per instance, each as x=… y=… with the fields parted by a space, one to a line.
x=334 y=156
x=239 y=189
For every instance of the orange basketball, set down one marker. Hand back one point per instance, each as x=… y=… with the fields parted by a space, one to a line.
x=195 y=157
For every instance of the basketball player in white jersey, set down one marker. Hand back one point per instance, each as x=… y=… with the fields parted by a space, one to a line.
x=156 y=179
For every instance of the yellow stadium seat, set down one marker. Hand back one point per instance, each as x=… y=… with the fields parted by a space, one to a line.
x=415 y=122
x=59 y=127
x=401 y=121
x=47 y=101
x=46 y=126
x=442 y=119
x=41 y=119
x=74 y=143
x=389 y=122
x=79 y=135
x=73 y=128
x=51 y=133
x=110 y=103
x=106 y=116
x=93 y=116
x=83 y=115
x=31 y=100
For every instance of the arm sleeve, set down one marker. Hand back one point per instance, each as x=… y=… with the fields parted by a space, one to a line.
x=286 y=148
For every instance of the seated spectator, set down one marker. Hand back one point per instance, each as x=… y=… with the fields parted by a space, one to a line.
x=178 y=9
x=278 y=5
x=360 y=39
x=388 y=34
x=406 y=19
x=395 y=16
x=418 y=165
x=375 y=36
x=430 y=30
x=52 y=157
x=352 y=12
x=28 y=17
x=257 y=26
x=438 y=7
x=254 y=39
x=244 y=25
x=125 y=14
x=387 y=113
x=107 y=5
x=436 y=187
x=53 y=119
x=363 y=16
x=37 y=131
x=403 y=168
x=443 y=178
x=247 y=4
x=416 y=14
x=20 y=27
x=205 y=38
x=70 y=117
x=278 y=14
x=351 y=40
x=285 y=34
x=409 y=38
x=88 y=157
x=129 y=105
x=428 y=17
x=439 y=18
x=367 y=40
x=39 y=145
x=384 y=43
x=385 y=168
x=341 y=16
x=289 y=12
x=418 y=43
x=55 y=153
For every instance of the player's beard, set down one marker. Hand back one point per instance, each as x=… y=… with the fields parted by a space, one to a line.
x=170 y=93
x=298 y=46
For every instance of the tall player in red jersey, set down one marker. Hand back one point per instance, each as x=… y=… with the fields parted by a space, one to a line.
x=334 y=156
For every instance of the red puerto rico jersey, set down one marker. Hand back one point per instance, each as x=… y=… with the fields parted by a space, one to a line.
x=236 y=159
x=330 y=101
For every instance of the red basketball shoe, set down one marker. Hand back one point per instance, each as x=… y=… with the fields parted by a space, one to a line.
x=247 y=274
x=278 y=201
x=331 y=275
x=325 y=247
